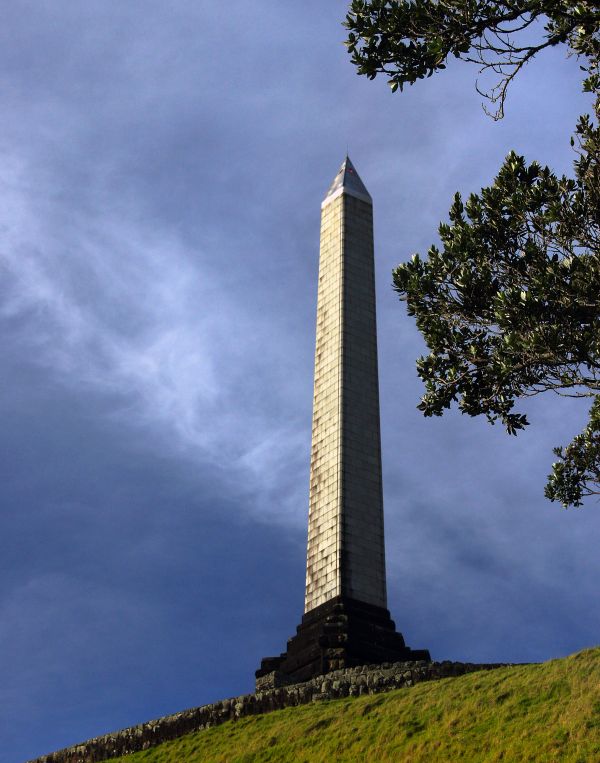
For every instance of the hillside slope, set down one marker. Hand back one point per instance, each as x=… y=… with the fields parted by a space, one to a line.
x=547 y=712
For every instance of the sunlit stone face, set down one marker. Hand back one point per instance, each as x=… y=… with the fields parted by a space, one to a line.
x=345 y=553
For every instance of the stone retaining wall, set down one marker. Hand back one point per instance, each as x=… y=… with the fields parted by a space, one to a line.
x=368 y=679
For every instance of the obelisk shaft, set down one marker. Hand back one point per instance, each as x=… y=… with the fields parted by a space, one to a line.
x=346 y=621
x=345 y=555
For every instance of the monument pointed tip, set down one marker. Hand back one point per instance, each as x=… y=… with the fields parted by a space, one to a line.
x=347 y=181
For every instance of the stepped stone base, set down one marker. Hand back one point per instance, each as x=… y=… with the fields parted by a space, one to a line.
x=342 y=633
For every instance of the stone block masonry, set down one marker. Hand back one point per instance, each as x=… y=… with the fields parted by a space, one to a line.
x=346 y=621
x=352 y=682
x=345 y=552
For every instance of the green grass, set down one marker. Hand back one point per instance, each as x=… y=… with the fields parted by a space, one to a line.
x=548 y=712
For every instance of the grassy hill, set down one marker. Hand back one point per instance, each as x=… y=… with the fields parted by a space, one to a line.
x=548 y=712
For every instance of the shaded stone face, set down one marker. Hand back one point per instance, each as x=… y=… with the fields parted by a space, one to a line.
x=345 y=555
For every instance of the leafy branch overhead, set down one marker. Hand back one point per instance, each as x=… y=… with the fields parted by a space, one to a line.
x=408 y=40
x=510 y=304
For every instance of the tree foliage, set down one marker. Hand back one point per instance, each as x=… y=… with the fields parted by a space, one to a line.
x=509 y=305
x=411 y=39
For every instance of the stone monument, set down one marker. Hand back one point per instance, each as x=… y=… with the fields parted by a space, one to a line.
x=346 y=622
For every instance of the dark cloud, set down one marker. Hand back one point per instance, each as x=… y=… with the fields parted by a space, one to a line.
x=162 y=170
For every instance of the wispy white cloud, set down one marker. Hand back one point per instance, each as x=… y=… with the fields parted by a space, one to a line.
x=139 y=315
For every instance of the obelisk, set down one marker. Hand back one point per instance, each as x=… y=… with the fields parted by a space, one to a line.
x=346 y=554
x=346 y=621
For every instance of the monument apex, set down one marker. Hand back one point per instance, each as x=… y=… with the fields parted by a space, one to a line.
x=346 y=621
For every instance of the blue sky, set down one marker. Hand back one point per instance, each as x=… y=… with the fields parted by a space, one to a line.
x=162 y=167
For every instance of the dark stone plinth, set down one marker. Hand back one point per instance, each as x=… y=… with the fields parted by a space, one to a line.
x=342 y=633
